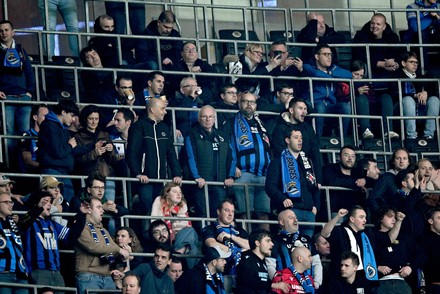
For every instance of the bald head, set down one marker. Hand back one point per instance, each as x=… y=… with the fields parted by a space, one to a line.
x=288 y=221
x=301 y=259
x=156 y=109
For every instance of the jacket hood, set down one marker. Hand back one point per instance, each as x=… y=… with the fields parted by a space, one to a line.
x=421 y=3
x=366 y=30
x=51 y=116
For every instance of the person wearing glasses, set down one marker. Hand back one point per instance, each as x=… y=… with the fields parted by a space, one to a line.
x=228 y=100
x=209 y=156
x=323 y=92
x=251 y=62
x=250 y=158
x=190 y=62
x=12 y=264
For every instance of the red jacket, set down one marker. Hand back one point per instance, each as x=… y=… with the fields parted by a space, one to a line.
x=287 y=276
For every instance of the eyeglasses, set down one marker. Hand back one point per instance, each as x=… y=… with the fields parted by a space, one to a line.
x=258 y=52
x=9 y=202
x=287 y=93
x=188 y=50
x=249 y=102
x=326 y=54
x=124 y=88
x=190 y=86
x=207 y=117
x=413 y=62
x=231 y=93
x=101 y=188
x=160 y=232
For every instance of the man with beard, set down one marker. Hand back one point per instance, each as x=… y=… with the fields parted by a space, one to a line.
x=207 y=276
x=346 y=174
x=295 y=116
x=252 y=274
x=153 y=275
x=146 y=49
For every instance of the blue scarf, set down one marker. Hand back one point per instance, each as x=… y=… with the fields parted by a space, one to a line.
x=235 y=257
x=244 y=139
x=303 y=279
x=369 y=260
x=214 y=283
x=290 y=175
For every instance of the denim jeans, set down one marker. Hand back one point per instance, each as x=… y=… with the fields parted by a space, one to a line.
x=384 y=103
x=12 y=278
x=216 y=194
x=305 y=216
x=258 y=199
x=338 y=108
x=87 y=281
x=69 y=13
x=188 y=237
x=118 y=13
x=430 y=109
x=393 y=286
x=46 y=277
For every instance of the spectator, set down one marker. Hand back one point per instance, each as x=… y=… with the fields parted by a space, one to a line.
x=383 y=59
x=69 y=12
x=427 y=171
x=29 y=147
x=95 y=251
x=155 y=86
x=324 y=99
x=429 y=24
x=146 y=51
x=288 y=239
x=350 y=237
x=17 y=83
x=99 y=156
x=227 y=235
x=157 y=233
x=252 y=275
x=347 y=174
x=417 y=98
x=291 y=182
x=317 y=31
x=55 y=146
x=154 y=279
x=209 y=157
x=430 y=241
x=131 y=284
x=366 y=95
x=250 y=157
x=125 y=92
x=172 y=203
x=190 y=62
x=349 y=281
x=150 y=135
x=228 y=101
x=187 y=97
x=386 y=185
x=107 y=47
x=53 y=187
x=175 y=269
x=288 y=65
x=207 y=276
x=123 y=120
x=39 y=230
x=12 y=267
x=322 y=246
x=98 y=84
x=126 y=238
x=398 y=262
x=296 y=276
x=295 y=118
x=251 y=63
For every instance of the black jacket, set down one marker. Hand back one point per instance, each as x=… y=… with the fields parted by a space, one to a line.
x=150 y=150
x=54 y=151
x=153 y=280
x=146 y=49
x=310 y=141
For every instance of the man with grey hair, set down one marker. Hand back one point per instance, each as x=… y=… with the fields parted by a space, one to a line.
x=209 y=156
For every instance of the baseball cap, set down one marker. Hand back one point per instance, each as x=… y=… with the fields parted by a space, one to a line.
x=50 y=182
x=211 y=253
x=5 y=180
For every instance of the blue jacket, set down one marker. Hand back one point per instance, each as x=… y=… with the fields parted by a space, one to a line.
x=426 y=20
x=325 y=90
x=54 y=151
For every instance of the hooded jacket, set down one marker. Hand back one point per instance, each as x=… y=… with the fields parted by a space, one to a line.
x=54 y=150
x=153 y=280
